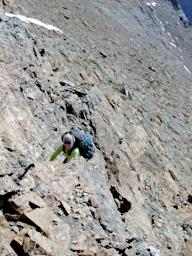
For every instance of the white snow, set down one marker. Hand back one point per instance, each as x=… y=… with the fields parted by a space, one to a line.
x=174 y=45
x=161 y=24
x=187 y=69
x=151 y=4
x=169 y=34
x=162 y=27
x=33 y=21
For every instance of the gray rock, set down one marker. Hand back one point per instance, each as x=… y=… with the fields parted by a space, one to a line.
x=123 y=72
x=7 y=185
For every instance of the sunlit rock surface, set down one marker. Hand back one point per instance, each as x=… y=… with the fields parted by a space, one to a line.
x=121 y=70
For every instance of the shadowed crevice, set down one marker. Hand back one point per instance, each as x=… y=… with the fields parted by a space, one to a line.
x=122 y=203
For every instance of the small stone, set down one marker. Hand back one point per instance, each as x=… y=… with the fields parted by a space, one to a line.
x=92 y=209
x=12 y=217
x=86 y=253
x=94 y=202
x=159 y=223
x=15 y=229
x=103 y=54
x=76 y=216
x=75 y=210
x=79 y=247
x=7 y=185
x=64 y=82
x=104 y=242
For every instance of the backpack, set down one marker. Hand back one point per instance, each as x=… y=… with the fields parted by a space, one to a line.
x=84 y=141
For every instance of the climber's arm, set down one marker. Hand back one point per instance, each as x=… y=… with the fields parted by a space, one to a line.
x=56 y=153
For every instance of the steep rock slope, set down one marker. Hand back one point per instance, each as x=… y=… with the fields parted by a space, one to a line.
x=117 y=71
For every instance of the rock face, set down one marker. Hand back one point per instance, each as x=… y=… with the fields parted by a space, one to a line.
x=121 y=70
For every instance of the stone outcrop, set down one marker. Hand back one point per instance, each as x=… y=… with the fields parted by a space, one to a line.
x=121 y=70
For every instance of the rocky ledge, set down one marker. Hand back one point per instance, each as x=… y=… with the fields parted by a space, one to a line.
x=121 y=70
x=78 y=209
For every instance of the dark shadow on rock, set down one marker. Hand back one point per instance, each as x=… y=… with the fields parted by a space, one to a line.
x=122 y=203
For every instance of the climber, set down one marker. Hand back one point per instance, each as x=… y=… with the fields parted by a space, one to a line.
x=76 y=142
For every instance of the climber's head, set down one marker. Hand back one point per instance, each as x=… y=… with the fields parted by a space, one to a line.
x=68 y=141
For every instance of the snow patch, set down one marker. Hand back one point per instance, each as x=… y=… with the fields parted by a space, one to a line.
x=153 y=4
x=33 y=21
x=170 y=36
x=187 y=69
x=174 y=45
x=161 y=24
x=162 y=27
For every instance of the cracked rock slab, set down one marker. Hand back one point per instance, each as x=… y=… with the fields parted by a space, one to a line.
x=50 y=224
x=34 y=243
x=26 y=202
